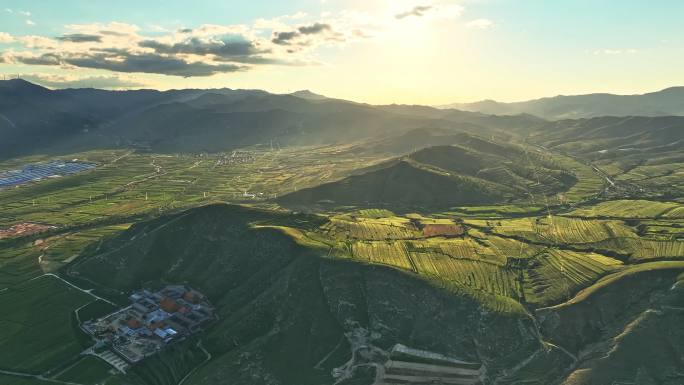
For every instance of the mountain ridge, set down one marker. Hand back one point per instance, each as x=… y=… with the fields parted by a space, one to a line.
x=657 y=103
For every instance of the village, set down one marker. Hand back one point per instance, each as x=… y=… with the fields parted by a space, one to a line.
x=152 y=321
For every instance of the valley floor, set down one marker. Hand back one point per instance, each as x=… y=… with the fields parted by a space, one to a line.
x=540 y=266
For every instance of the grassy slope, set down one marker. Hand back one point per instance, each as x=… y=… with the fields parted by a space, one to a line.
x=626 y=327
x=401 y=185
x=279 y=299
x=474 y=172
x=281 y=302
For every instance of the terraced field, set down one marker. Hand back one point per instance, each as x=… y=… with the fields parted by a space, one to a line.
x=510 y=258
x=612 y=236
x=386 y=253
x=640 y=249
x=560 y=230
x=370 y=229
x=666 y=230
x=474 y=274
x=496 y=265
x=631 y=209
x=556 y=275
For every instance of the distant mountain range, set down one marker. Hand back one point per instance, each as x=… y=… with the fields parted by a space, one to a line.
x=669 y=101
x=34 y=119
x=306 y=94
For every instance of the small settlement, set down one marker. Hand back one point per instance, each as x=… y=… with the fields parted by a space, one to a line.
x=24 y=229
x=151 y=322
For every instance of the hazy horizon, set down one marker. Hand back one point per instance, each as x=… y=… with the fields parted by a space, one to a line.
x=86 y=86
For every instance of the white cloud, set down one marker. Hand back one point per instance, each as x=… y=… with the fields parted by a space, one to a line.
x=202 y=51
x=612 y=51
x=30 y=22
x=435 y=10
x=450 y=11
x=112 y=27
x=6 y=37
x=38 y=42
x=114 y=81
x=480 y=24
x=279 y=22
x=24 y=13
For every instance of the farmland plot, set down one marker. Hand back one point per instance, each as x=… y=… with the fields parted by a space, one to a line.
x=556 y=275
x=630 y=209
x=370 y=229
x=37 y=334
x=556 y=229
x=675 y=213
x=385 y=253
x=639 y=249
x=478 y=275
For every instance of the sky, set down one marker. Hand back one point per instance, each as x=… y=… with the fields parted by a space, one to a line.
x=377 y=51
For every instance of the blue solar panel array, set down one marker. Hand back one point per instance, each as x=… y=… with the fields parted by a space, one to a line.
x=38 y=171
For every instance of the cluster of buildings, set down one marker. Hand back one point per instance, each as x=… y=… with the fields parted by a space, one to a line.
x=237 y=157
x=152 y=321
x=23 y=229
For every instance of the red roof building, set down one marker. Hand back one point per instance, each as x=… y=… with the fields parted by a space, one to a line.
x=191 y=297
x=133 y=323
x=168 y=305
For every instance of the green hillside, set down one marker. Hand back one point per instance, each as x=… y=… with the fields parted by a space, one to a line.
x=404 y=183
x=472 y=172
x=326 y=232
x=295 y=302
x=287 y=313
x=624 y=329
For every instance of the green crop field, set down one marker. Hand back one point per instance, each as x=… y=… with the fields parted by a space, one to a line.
x=386 y=253
x=18 y=262
x=589 y=183
x=558 y=274
x=612 y=236
x=18 y=380
x=675 y=213
x=88 y=370
x=557 y=230
x=39 y=332
x=375 y=213
x=127 y=183
x=536 y=251
x=371 y=229
x=631 y=209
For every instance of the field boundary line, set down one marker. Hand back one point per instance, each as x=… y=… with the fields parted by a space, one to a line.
x=39 y=377
x=88 y=292
x=199 y=345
